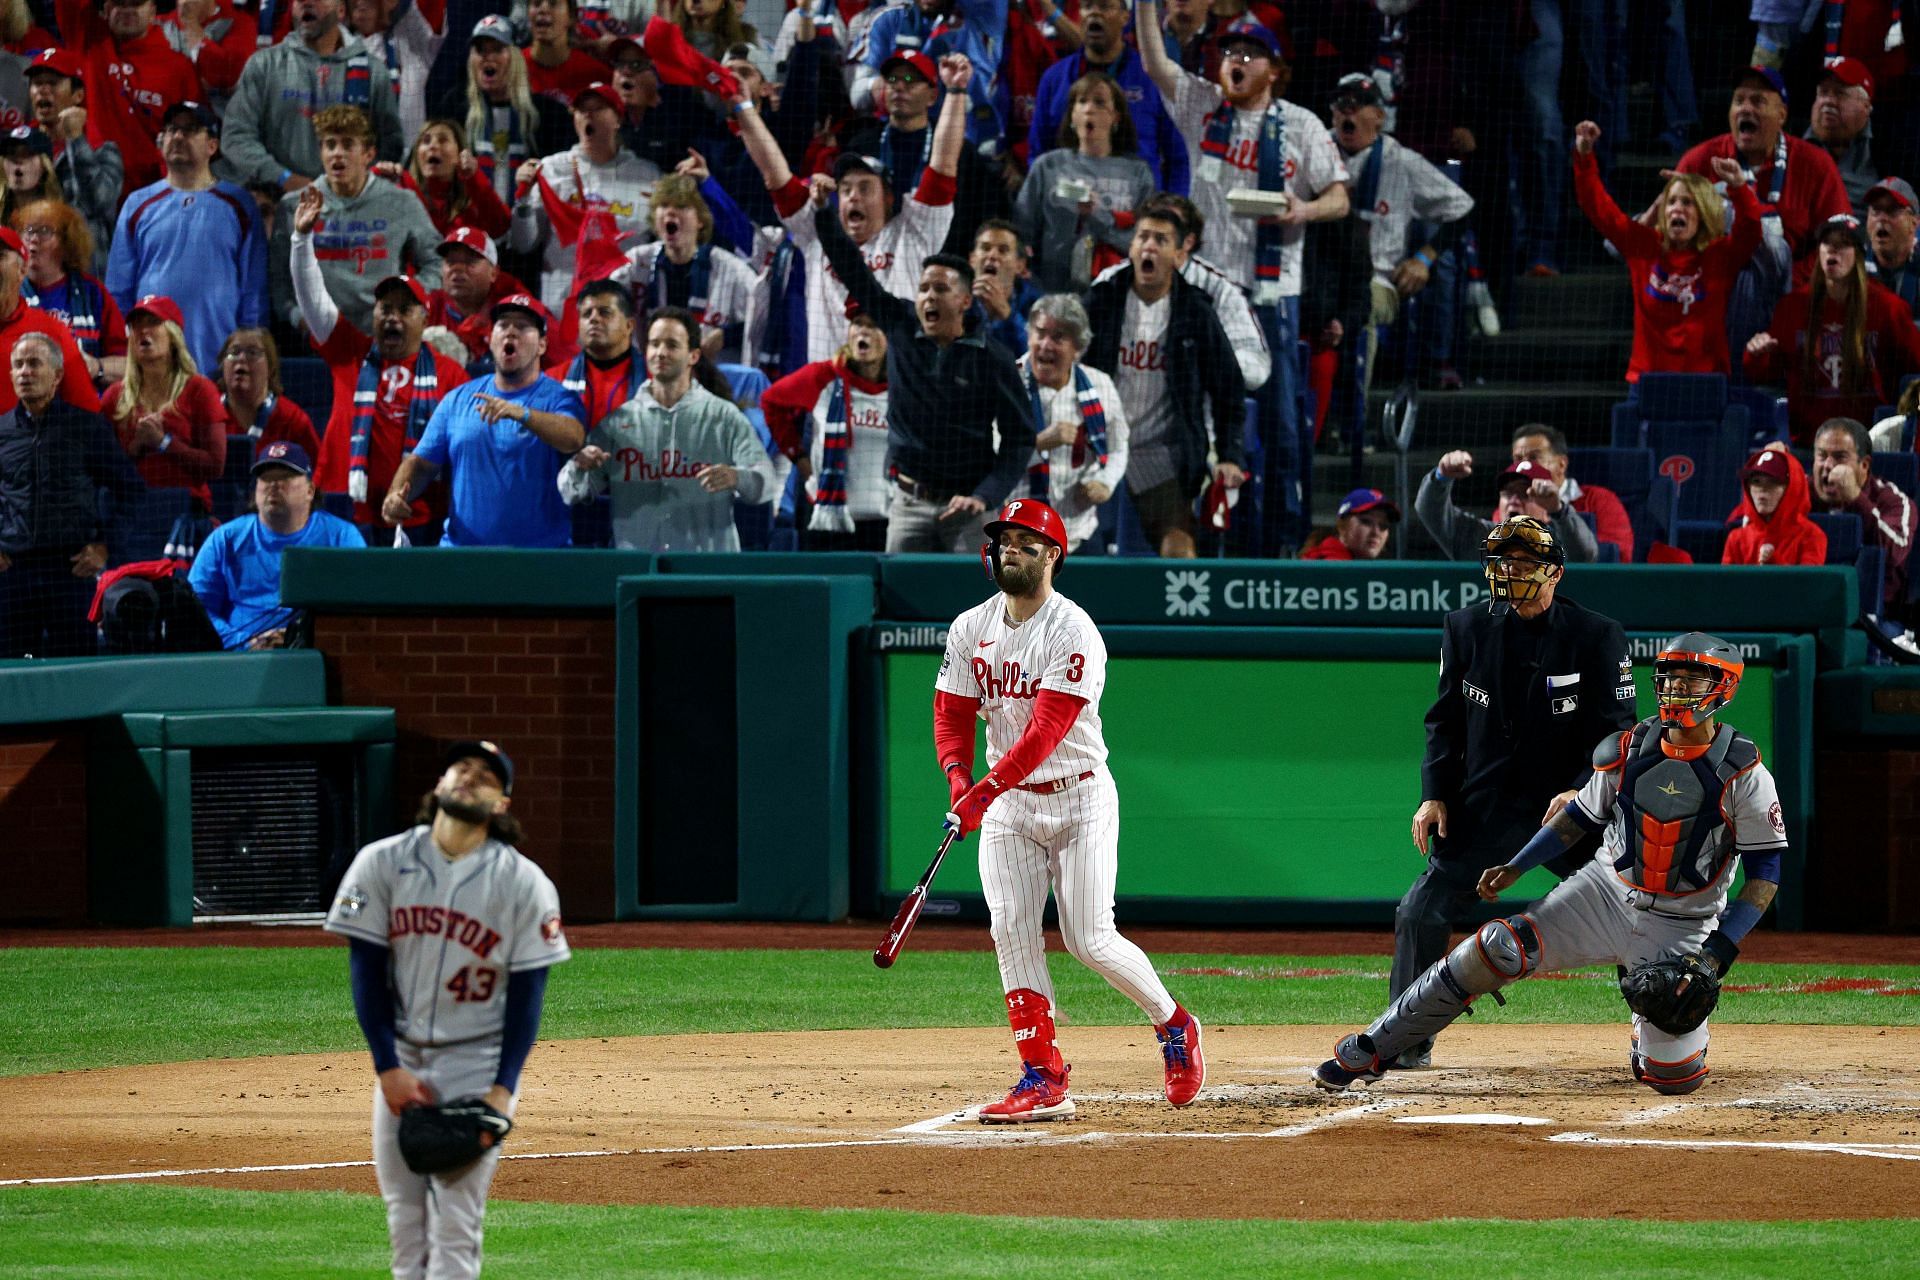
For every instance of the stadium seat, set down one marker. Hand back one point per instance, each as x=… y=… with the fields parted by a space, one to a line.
x=307 y=382
x=1703 y=461
x=1703 y=541
x=747 y=383
x=1649 y=499
x=1901 y=470
x=233 y=491
x=1766 y=413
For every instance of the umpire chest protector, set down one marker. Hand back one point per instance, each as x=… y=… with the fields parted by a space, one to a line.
x=1672 y=808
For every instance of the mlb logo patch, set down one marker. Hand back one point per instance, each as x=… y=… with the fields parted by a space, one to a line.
x=1561 y=706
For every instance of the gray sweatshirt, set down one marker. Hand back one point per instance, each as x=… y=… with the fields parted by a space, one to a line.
x=658 y=504
x=1051 y=223
x=384 y=231
x=1463 y=535
x=268 y=126
x=92 y=177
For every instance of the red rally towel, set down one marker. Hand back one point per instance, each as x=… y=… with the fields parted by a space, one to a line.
x=680 y=63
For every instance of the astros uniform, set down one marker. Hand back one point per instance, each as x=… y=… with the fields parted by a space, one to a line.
x=1061 y=827
x=455 y=929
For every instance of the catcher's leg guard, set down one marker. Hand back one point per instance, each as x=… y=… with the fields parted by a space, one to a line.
x=1670 y=1078
x=1502 y=952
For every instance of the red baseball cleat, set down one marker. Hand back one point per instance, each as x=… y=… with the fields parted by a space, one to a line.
x=1186 y=1066
x=1040 y=1095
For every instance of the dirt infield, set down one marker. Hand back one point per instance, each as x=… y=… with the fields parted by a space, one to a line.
x=864 y=1119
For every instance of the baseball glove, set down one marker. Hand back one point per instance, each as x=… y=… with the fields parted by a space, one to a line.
x=1675 y=995
x=437 y=1139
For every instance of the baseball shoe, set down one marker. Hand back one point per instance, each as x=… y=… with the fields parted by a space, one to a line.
x=1186 y=1065
x=1354 y=1061
x=1039 y=1095
x=1415 y=1057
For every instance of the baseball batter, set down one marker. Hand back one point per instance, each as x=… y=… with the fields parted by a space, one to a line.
x=1030 y=663
x=452 y=931
x=1677 y=797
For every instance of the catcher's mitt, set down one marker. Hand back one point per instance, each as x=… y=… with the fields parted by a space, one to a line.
x=1675 y=995
x=437 y=1139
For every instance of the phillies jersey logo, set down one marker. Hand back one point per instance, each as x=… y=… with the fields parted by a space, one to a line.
x=1009 y=682
x=1245 y=154
x=445 y=922
x=358 y=242
x=1686 y=289
x=1143 y=356
x=394 y=381
x=669 y=464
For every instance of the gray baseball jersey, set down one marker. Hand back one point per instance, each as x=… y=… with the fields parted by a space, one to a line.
x=456 y=929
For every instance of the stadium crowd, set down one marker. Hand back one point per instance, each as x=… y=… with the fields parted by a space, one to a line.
x=657 y=275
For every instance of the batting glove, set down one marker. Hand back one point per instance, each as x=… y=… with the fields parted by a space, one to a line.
x=959 y=782
x=972 y=809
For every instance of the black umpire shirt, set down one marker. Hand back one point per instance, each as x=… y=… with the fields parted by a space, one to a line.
x=942 y=402
x=1522 y=705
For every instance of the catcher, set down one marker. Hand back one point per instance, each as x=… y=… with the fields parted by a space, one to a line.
x=1676 y=798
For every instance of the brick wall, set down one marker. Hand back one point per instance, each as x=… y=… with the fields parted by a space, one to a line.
x=541 y=687
x=43 y=827
x=1868 y=874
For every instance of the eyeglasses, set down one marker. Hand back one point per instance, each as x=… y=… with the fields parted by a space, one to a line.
x=39 y=232
x=1243 y=55
x=246 y=353
x=903 y=78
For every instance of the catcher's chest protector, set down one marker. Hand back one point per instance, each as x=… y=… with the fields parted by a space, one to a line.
x=1676 y=838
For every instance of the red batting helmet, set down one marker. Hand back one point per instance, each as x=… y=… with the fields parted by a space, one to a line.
x=1032 y=515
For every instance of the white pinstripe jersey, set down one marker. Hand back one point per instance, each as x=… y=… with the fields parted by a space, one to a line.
x=894 y=255
x=455 y=929
x=1006 y=666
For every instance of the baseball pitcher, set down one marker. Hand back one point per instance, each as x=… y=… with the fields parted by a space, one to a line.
x=1679 y=798
x=1031 y=664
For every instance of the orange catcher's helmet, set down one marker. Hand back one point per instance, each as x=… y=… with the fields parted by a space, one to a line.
x=1713 y=667
x=1032 y=515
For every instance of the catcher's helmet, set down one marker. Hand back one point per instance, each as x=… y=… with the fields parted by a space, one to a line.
x=1710 y=656
x=1520 y=556
x=1030 y=514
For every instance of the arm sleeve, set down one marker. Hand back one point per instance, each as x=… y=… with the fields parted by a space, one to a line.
x=76 y=388
x=1626 y=235
x=788 y=401
x=732 y=228
x=1119 y=439
x=1571 y=529
x=208 y=578
x=526 y=994
x=1444 y=521
x=123 y=270
x=98 y=172
x=953 y=717
x=316 y=305
x=752 y=467
x=1733 y=251
x=1446 y=739
x=1613 y=672
x=1053 y=715
x=1888 y=516
x=372 y=1005
x=202 y=450
x=1227 y=392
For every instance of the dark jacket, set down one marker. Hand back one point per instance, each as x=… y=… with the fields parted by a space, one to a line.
x=52 y=469
x=1201 y=371
x=1520 y=709
x=942 y=402
x=1337 y=276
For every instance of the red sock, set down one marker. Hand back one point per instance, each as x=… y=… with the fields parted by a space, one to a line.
x=1031 y=1015
x=1179 y=1017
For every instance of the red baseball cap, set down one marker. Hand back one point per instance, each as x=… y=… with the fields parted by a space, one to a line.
x=1851 y=72
x=1768 y=462
x=474 y=239
x=11 y=239
x=409 y=283
x=919 y=61
x=598 y=89
x=523 y=302
x=1526 y=469
x=160 y=308
x=1899 y=188
x=58 y=61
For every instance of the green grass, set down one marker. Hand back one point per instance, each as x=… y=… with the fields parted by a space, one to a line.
x=74 y=1008
x=177 y=1233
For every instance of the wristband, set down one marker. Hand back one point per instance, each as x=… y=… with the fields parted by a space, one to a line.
x=526 y=414
x=742 y=107
x=284 y=175
x=1722 y=948
x=1425 y=259
x=952 y=765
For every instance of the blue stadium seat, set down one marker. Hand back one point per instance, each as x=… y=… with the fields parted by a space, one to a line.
x=1766 y=413
x=308 y=384
x=1703 y=541
x=747 y=383
x=1901 y=470
x=233 y=491
x=1648 y=498
x=1703 y=461
x=1844 y=534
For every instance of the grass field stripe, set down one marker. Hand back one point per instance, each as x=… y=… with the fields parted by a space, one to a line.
x=1878 y=1150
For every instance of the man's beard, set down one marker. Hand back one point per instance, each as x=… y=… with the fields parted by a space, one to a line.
x=467 y=811
x=1018 y=579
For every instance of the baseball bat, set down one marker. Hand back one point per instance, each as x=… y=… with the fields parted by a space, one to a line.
x=904 y=919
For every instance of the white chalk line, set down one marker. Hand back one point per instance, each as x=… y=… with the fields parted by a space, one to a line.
x=1875 y=1150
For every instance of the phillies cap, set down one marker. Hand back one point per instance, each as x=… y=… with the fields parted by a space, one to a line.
x=36 y=142
x=851 y=160
x=598 y=89
x=474 y=239
x=921 y=64
x=409 y=283
x=1767 y=76
x=523 y=302
x=282 y=453
x=1848 y=225
x=1527 y=470
x=11 y=240
x=55 y=61
x=159 y=307
x=1368 y=500
x=627 y=44
x=1359 y=87
x=496 y=759
x=1851 y=72
x=1899 y=188
x=493 y=27
x=1768 y=462
x=1251 y=31
x=202 y=115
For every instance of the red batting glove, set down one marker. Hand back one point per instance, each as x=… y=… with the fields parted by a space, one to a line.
x=959 y=782
x=972 y=807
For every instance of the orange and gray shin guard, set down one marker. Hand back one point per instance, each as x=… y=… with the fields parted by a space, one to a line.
x=1031 y=1016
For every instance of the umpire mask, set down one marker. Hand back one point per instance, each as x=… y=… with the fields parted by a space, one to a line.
x=1521 y=556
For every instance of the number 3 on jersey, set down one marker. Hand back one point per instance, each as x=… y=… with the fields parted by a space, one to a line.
x=1076 y=667
x=474 y=989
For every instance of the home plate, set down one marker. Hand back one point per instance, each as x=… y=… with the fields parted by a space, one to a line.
x=1483 y=1117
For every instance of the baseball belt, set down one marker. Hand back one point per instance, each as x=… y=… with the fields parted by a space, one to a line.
x=1057 y=785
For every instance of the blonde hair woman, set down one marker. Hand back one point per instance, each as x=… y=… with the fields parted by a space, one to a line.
x=506 y=125
x=172 y=423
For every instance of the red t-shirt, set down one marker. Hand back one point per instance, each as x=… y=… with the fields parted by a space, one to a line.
x=474 y=329
x=484 y=210
x=570 y=77
x=344 y=351
x=1812 y=193
x=75 y=387
x=606 y=388
x=1328 y=548
x=197 y=421
x=1893 y=352
x=128 y=85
